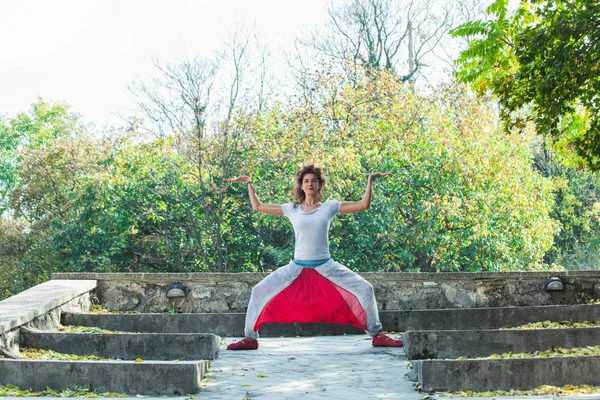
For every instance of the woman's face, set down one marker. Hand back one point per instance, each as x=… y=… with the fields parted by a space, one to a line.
x=310 y=184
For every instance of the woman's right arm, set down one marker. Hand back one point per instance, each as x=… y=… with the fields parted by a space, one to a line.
x=273 y=209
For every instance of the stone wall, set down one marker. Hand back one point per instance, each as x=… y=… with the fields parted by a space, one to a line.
x=213 y=292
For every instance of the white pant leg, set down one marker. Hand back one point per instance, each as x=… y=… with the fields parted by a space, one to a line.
x=358 y=286
x=264 y=292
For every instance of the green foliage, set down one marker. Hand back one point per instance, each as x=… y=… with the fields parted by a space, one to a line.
x=34 y=130
x=462 y=196
x=147 y=212
x=489 y=63
x=559 y=74
x=543 y=59
x=13 y=245
x=132 y=216
x=41 y=154
x=576 y=209
x=541 y=65
x=48 y=177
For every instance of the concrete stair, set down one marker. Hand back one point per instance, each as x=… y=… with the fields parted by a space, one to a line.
x=222 y=324
x=137 y=363
x=232 y=324
x=506 y=374
x=433 y=338
x=422 y=345
x=147 y=346
x=176 y=349
x=434 y=351
x=145 y=364
x=148 y=377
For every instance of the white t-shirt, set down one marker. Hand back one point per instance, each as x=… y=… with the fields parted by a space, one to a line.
x=311 y=229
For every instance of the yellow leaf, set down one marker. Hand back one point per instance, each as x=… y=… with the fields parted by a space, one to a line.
x=139 y=360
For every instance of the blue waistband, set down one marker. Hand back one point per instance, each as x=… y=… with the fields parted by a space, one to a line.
x=311 y=263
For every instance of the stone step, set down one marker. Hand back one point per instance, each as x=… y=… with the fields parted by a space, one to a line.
x=232 y=324
x=506 y=374
x=144 y=378
x=492 y=318
x=222 y=324
x=161 y=346
x=471 y=343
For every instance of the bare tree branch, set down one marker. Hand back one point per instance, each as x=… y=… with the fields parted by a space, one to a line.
x=398 y=35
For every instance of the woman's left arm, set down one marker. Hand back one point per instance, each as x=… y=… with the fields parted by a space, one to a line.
x=348 y=207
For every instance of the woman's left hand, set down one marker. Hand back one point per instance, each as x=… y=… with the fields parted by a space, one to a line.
x=378 y=174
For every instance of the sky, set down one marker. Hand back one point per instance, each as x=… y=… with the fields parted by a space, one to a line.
x=86 y=52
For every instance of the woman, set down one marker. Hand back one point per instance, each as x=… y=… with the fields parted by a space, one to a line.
x=312 y=287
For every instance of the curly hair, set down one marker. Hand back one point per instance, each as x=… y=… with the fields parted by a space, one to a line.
x=308 y=169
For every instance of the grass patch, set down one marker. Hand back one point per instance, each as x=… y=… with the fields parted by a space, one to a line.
x=98 y=309
x=566 y=390
x=77 y=391
x=39 y=354
x=550 y=353
x=555 y=325
x=89 y=329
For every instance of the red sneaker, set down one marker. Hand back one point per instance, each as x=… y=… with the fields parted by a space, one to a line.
x=244 y=344
x=383 y=340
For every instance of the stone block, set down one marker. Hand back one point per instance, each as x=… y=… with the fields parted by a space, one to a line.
x=506 y=374
x=481 y=343
x=157 y=346
x=144 y=378
x=493 y=317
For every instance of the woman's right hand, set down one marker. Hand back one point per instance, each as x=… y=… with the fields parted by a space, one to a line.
x=242 y=178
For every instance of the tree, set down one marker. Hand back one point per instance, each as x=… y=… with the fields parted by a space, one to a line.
x=195 y=101
x=136 y=214
x=48 y=177
x=42 y=125
x=44 y=153
x=406 y=37
x=576 y=208
x=541 y=63
x=13 y=247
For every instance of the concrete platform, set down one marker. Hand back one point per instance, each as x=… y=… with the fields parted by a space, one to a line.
x=471 y=343
x=145 y=378
x=165 y=346
x=506 y=374
x=324 y=367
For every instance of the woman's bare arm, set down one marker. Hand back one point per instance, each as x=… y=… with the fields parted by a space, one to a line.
x=273 y=209
x=348 y=207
